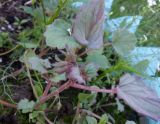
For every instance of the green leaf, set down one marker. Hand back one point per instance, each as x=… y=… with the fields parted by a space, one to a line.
x=59 y=77
x=142 y=66
x=57 y=35
x=120 y=106
x=37 y=13
x=34 y=62
x=91 y=70
x=28 y=44
x=104 y=119
x=38 y=89
x=26 y=106
x=33 y=116
x=98 y=59
x=87 y=98
x=4 y=38
x=123 y=41
x=37 y=116
x=91 y=120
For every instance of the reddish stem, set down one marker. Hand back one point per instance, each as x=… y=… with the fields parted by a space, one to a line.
x=55 y=93
x=7 y=104
x=78 y=86
x=74 y=85
x=49 y=84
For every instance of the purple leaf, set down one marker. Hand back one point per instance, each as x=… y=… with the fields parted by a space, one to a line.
x=139 y=96
x=88 y=25
x=76 y=75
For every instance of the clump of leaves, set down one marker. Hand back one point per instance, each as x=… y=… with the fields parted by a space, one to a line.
x=77 y=70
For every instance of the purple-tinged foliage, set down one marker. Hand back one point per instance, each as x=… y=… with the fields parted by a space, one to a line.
x=88 y=25
x=75 y=74
x=139 y=96
x=69 y=66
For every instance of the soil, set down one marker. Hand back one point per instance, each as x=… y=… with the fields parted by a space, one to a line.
x=9 y=10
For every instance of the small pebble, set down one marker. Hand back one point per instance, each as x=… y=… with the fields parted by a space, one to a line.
x=0 y=60
x=10 y=27
x=3 y=28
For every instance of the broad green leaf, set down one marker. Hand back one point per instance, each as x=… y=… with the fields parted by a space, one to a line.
x=85 y=98
x=91 y=120
x=91 y=70
x=98 y=59
x=123 y=41
x=57 y=35
x=34 y=62
x=50 y=5
x=88 y=25
x=29 y=44
x=26 y=106
x=104 y=119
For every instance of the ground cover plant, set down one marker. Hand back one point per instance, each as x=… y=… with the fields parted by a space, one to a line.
x=61 y=64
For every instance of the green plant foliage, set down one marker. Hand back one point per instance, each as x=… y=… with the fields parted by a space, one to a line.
x=137 y=5
x=37 y=117
x=38 y=89
x=58 y=36
x=98 y=59
x=59 y=77
x=141 y=66
x=4 y=38
x=120 y=106
x=26 y=106
x=103 y=119
x=123 y=41
x=78 y=58
x=34 y=62
x=91 y=120
x=91 y=70
x=25 y=37
x=37 y=13
x=87 y=99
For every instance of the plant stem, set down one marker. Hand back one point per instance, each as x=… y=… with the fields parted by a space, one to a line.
x=55 y=93
x=90 y=113
x=74 y=85
x=44 y=15
x=30 y=79
x=2 y=54
x=78 y=86
x=31 y=82
x=57 y=12
x=105 y=72
x=7 y=104
x=49 y=84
